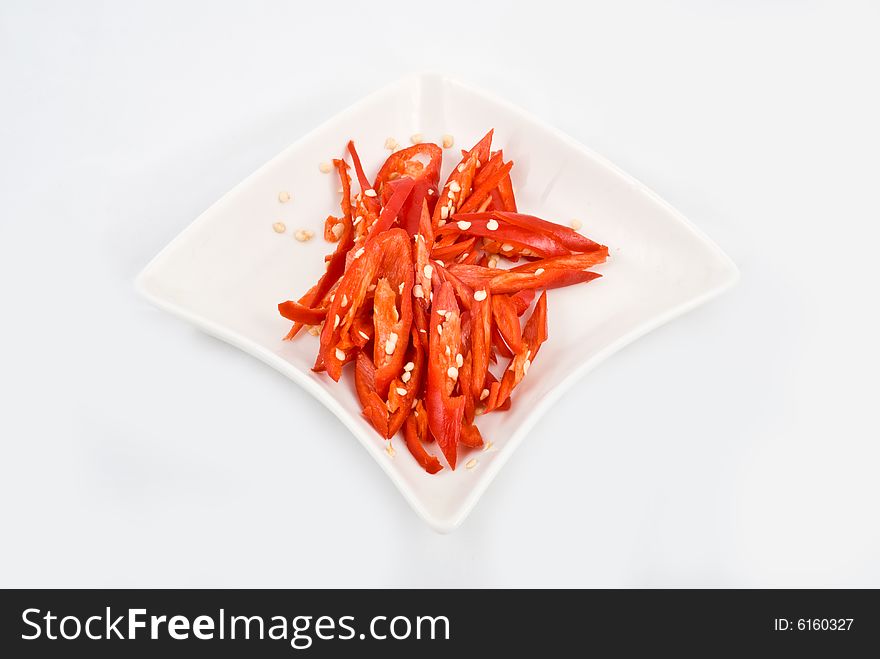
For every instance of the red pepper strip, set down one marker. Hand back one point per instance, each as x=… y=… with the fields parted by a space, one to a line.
x=481 y=149
x=507 y=321
x=465 y=377
x=414 y=431
x=505 y=281
x=463 y=292
x=500 y=344
x=393 y=207
x=301 y=314
x=420 y=163
x=470 y=258
x=481 y=343
x=482 y=191
x=495 y=201
x=389 y=331
x=534 y=334
x=370 y=204
x=329 y=224
x=477 y=224
x=336 y=265
x=570 y=238
x=403 y=405
x=505 y=189
x=489 y=167
x=572 y=262
x=470 y=436
x=522 y=299
x=455 y=190
x=449 y=253
x=387 y=256
x=373 y=406
x=444 y=411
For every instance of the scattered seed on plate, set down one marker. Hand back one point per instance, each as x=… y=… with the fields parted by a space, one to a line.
x=390 y=143
x=283 y=197
x=576 y=225
x=304 y=235
x=448 y=141
x=325 y=167
x=470 y=464
x=389 y=450
x=416 y=138
x=279 y=227
x=487 y=446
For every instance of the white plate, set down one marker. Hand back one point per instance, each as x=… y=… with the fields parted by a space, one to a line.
x=228 y=270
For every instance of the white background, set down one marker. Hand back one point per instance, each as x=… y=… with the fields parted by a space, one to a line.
x=735 y=446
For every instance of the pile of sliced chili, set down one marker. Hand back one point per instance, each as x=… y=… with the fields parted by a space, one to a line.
x=413 y=295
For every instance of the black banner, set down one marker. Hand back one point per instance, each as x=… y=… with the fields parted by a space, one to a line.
x=318 y=623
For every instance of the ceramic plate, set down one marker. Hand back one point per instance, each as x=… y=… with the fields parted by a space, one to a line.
x=228 y=270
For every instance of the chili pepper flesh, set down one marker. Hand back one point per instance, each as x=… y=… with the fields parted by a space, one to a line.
x=415 y=297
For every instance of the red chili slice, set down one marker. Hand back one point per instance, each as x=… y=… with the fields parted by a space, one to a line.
x=444 y=410
x=421 y=163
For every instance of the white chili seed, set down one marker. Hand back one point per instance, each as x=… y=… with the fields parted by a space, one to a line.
x=303 y=235
x=283 y=197
x=428 y=270
x=460 y=168
x=364 y=334
x=401 y=391
x=337 y=230
x=492 y=225
x=452 y=372
x=539 y=272
x=325 y=167
x=470 y=464
x=444 y=212
x=409 y=366
x=480 y=295
x=418 y=291
x=279 y=227
x=464 y=225
x=448 y=141
x=405 y=377
x=370 y=192
x=390 y=143
x=484 y=394
x=358 y=253
x=416 y=138
x=576 y=225
x=454 y=186
x=459 y=360
x=340 y=355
